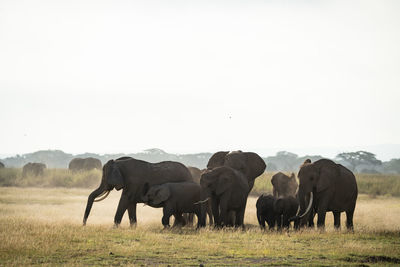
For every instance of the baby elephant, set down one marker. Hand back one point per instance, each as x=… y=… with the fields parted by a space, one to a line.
x=176 y=199
x=276 y=211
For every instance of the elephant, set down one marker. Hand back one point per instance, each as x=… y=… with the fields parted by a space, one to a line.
x=327 y=186
x=196 y=174
x=176 y=199
x=228 y=190
x=284 y=185
x=130 y=175
x=265 y=211
x=276 y=211
x=1 y=165
x=250 y=164
x=84 y=164
x=34 y=169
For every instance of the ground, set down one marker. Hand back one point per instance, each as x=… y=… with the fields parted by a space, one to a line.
x=44 y=226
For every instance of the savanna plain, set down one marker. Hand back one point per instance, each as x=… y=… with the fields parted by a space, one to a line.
x=43 y=226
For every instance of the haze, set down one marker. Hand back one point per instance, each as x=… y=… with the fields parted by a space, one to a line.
x=196 y=76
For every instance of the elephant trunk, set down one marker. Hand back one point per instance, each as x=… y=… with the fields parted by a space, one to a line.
x=90 y=201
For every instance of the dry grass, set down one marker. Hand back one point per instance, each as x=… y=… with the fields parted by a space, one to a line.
x=43 y=226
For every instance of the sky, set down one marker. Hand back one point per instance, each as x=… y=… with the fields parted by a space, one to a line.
x=199 y=76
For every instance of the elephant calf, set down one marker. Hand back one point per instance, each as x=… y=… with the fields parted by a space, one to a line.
x=176 y=199
x=276 y=211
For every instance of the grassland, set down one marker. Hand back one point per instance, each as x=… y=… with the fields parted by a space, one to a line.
x=42 y=226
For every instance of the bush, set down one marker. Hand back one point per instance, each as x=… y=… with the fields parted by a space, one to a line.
x=50 y=178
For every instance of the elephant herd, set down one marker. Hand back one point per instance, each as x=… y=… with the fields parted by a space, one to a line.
x=221 y=191
x=75 y=165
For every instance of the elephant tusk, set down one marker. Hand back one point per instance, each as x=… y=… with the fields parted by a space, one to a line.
x=309 y=205
x=102 y=198
x=298 y=211
x=201 y=201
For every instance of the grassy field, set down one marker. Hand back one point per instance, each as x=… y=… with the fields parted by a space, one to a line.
x=41 y=226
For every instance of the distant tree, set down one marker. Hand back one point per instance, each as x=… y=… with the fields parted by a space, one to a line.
x=392 y=166
x=354 y=159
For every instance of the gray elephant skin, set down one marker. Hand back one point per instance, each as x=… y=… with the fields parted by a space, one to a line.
x=283 y=185
x=176 y=199
x=250 y=164
x=196 y=174
x=35 y=169
x=330 y=187
x=130 y=175
x=276 y=211
x=84 y=164
x=228 y=190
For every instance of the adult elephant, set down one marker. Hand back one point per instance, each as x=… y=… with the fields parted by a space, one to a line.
x=228 y=190
x=283 y=185
x=330 y=187
x=250 y=164
x=84 y=164
x=35 y=169
x=130 y=175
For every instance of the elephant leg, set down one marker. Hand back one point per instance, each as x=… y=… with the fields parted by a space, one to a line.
x=231 y=219
x=209 y=212
x=321 y=218
x=349 y=220
x=132 y=214
x=122 y=207
x=279 y=222
x=165 y=219
x=240 y=218
x=261 y=221
x=189 y=218
x=215 y=211
x=336 y=219
x=179 y=220
x=310 y=222
x=285 y=221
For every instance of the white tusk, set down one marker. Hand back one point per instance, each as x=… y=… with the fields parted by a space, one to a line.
x=201 y=201
x=102 y=198
x=309 y=205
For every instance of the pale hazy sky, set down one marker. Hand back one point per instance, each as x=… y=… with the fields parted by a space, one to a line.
x=195 y=76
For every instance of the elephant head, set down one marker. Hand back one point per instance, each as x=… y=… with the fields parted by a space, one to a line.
x=315 y=178
x=111 y=178
x=217 y=180
x=248 y=163
x=156 y=194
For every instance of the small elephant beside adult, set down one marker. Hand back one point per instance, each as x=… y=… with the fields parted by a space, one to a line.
x=276 y=211
x=131 y=175
x=84 y=164
x=176 y=199
x=327 y=186
x=35 y=169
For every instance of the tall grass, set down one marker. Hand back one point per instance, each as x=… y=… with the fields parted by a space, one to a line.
x=50 y=178
x=371 y=184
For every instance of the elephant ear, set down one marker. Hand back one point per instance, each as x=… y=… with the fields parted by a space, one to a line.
x=115 y=177
x=161 y=195
x=224 y=183
x=255 y=165
x=217 y=160
x=327 y=174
